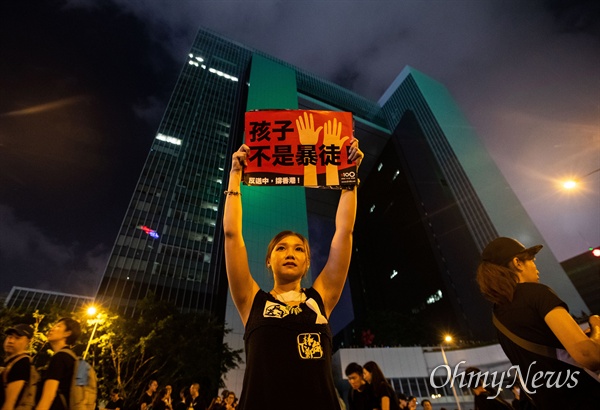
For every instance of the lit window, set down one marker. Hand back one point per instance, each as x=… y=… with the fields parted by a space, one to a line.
x=167 y=138
x=380 y=166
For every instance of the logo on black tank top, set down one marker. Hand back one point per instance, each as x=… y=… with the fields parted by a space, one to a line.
x=309 y=346
x=279 y=311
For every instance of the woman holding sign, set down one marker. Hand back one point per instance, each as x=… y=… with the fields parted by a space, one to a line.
x=287 y=336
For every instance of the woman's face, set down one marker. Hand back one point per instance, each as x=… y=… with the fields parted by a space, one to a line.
x=289 y=258
x=368 y=376
x=230 y=399
x=529 y=273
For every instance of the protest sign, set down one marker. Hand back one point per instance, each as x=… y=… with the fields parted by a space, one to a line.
x=299 y=147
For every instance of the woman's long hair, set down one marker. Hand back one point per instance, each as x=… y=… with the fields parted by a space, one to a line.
x=497 y=283
x=377 y=376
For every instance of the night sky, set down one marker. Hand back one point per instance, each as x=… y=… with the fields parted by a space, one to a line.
x=83 y=85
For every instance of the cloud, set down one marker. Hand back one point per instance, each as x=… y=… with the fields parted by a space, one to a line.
x=31 y=258
x=42 y=108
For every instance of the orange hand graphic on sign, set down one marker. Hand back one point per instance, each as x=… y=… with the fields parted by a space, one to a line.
x=308 y=136
x=332 y=136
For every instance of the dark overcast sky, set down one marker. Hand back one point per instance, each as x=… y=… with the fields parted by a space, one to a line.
x=83 y=84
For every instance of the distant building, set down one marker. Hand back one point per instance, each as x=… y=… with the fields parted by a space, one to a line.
x=39 y=299
x=430 y=199
x=584 y=272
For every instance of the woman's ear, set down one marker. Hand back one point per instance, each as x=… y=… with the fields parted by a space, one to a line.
x=517 y=265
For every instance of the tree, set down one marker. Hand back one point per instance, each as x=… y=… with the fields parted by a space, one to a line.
x=161 y=343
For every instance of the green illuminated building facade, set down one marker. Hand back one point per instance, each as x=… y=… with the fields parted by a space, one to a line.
x=430 y=198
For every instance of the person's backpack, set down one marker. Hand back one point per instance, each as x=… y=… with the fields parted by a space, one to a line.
x=27 y=399
x=83 y=385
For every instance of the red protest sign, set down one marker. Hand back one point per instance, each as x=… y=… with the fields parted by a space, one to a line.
x=299 y=147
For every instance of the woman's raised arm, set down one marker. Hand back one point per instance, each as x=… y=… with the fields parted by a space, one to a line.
x=330 y=281
x=241 y=284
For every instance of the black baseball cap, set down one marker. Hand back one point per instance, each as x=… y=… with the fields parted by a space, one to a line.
x=501 y=250
x=21 y=330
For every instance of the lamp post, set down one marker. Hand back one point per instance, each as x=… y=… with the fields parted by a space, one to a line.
x=91 y=312
x=448 y=339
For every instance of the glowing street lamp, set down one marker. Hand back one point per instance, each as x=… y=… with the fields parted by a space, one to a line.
x=448 y=339
x=91 y=311
x=572 y=183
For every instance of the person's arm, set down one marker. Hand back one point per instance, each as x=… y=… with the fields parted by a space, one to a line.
x=385 y=403
x=585 y=350
x=48 y=394
x=241 y=284
x=11 y=393
x=330 y=281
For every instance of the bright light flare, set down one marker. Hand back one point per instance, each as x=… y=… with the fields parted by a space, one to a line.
x=91 y=311
x=447 y=338
x=570 y=184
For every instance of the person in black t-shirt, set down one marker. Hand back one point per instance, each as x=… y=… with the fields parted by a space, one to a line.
x=196 y=399
x=17 y=365
x=384 y=393
x=360 y=396
x=59 y=374
x=148 y=395
x=507 y=276
x=180 y=405
x=115 y=402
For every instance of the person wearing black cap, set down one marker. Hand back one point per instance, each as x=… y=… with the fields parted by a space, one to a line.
x=16 y=364
x=529 y=316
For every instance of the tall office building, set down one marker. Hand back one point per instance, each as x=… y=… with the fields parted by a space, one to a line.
x=430 y=198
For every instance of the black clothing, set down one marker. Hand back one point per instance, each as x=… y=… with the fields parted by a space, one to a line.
x=159 y=405
x=61 y=368
x=199 y=403
x=288 y=357
x=180 y=406
x=385 y=390
x=117 y=404
x=20 y=370
x=562 y=386
x=362 y=399
x=146 y=398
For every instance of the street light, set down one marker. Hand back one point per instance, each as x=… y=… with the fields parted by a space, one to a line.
x=91 y=311
x=573 y=182
x=448 y=339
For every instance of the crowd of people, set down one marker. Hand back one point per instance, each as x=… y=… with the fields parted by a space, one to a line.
x=190 y=398
x=369 y=389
